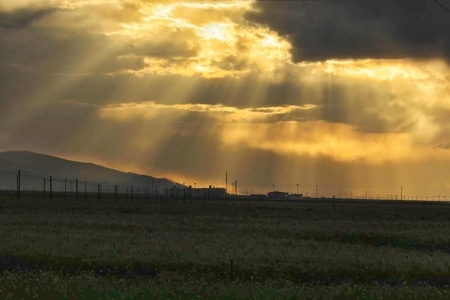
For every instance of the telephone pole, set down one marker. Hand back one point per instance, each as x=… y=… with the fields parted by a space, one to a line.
x=401 y=193
x=226 y=182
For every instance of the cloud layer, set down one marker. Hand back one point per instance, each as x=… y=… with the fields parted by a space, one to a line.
x=184 y=38
x=349 y=96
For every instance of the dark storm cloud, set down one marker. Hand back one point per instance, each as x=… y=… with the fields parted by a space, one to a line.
x=320 y=30
x=23 y=17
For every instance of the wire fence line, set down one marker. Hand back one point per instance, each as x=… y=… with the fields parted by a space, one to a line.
x=17 y=184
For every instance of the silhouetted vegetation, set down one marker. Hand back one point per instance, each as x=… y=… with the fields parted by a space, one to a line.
x=170 y=249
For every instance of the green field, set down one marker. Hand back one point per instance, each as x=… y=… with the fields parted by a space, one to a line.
x=236 y=249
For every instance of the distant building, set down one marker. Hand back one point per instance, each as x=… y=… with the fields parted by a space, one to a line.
x=295 y=197
x=276 y=195
x=211 y=193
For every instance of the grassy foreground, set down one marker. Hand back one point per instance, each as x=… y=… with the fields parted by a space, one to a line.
x=90 y=250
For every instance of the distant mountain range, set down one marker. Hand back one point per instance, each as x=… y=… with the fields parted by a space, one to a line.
x=34 y=167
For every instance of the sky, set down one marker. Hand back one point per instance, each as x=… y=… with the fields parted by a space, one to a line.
x=351 y=97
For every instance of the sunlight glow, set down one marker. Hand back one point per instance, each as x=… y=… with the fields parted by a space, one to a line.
x=383 y=69
x=219 y=31
x=223 y=114
x=224 y=47
x=192 y=88
x=318 y=138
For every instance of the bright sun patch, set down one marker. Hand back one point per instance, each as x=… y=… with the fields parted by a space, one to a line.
x=219 y=31
x=224 y=46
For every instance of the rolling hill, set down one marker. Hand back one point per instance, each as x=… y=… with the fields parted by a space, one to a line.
x=34 y=167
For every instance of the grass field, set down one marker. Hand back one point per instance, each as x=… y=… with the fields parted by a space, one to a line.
x=235 y=249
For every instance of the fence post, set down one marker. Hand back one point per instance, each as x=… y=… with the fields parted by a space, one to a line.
x=51 y=188
x=18 y=184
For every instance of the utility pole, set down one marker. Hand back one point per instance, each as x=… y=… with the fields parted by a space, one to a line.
x=401 y=193
x=18 y=184
x=226 y=182
x=297 y=188
x=317 y=191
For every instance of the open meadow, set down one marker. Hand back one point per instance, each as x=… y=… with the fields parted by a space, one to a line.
x=223 y=249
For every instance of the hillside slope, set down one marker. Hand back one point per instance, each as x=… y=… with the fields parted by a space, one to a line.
x=35 y=166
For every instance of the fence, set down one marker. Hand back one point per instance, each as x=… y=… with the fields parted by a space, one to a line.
x=19 y=185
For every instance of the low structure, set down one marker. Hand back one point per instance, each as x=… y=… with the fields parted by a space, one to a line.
x=276 y=195
x=210 y=193
x=295 y=197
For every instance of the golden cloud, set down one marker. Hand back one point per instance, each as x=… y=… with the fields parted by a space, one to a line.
x=248 y=96
x=225 y=44
x=221 y=113
x=318 y=138
x=253 y=127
